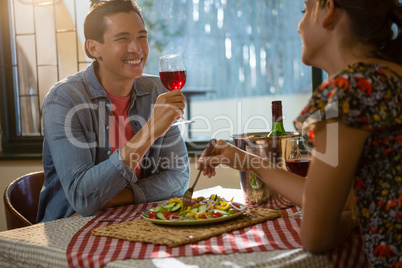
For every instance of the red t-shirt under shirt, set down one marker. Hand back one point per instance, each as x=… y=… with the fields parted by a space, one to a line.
x=120 y=131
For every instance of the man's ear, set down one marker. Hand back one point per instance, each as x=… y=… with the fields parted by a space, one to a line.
x=91 y=47
x=330 y=15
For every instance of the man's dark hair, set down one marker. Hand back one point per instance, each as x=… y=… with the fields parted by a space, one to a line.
x=94 y=24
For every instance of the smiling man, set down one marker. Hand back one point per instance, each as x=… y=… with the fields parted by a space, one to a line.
x=108 y=134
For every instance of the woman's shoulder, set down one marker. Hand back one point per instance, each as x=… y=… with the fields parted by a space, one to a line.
x=363 y=80
x=391 y=69
x=381 y=71
x=363 y=95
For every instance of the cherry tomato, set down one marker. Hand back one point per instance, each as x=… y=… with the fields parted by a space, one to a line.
x=166 y=214
x=202 y=216
x=216 y=215
x=236 y=206
x=174 y=216
x=152 y=214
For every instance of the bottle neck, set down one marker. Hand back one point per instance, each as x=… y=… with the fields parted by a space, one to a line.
x=277 y=115
x=277 y=120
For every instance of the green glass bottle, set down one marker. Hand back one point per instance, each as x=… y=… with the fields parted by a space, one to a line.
x=277 y=120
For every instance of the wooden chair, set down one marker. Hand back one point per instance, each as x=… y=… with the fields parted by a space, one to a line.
x=21 y=199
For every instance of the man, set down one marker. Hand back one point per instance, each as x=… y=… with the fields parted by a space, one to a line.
x=108 y=135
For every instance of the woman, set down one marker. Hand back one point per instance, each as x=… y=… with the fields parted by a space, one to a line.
x=354 y=122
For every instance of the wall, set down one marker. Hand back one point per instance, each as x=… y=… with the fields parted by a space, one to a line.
x=11 y=170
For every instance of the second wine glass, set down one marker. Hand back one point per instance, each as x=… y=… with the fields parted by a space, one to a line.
x=298 y=157
x=173 y=76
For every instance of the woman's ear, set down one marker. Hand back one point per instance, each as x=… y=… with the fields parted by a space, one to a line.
x=91 y=47
x=330 y=17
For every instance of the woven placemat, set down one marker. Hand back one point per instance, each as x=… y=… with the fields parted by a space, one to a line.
x=145 y=231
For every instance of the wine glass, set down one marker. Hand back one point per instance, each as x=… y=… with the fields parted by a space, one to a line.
x=298 y=157
x=173 y=76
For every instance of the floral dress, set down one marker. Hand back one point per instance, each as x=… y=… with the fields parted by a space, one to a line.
x=368 y=96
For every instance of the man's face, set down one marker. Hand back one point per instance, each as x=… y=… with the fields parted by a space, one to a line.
x=123 y=53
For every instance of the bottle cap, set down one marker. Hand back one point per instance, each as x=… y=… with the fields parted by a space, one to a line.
x=277 y=104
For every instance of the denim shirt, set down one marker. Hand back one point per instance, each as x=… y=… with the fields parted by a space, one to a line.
x=81 y=173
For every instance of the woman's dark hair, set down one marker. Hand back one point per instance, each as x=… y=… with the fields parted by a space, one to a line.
x=372 y=23
x=94 y=24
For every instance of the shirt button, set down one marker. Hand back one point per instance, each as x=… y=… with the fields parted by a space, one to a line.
x=107 y=127
x=109 y=152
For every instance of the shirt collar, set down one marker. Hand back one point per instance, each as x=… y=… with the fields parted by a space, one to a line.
x=96 y=90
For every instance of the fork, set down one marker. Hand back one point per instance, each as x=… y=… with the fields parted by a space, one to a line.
x=189 y=193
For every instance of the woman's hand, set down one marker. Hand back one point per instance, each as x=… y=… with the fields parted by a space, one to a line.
x=224 y=153
x=168 y=108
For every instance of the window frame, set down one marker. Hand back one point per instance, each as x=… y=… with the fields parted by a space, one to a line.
x=12 y=145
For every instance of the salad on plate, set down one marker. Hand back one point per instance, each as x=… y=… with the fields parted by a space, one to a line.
x=202 y=210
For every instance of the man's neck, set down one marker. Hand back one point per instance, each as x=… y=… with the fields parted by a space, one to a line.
x=118 y=87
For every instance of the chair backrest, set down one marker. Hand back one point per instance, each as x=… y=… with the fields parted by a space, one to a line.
x=21 y=199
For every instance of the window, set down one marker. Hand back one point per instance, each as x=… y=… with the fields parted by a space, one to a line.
x=40 y=44
x=239 y=55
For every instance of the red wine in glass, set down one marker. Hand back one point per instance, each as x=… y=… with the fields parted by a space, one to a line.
x=298 y=166
x=173 y=76
x=173 y=79
x=298 y=157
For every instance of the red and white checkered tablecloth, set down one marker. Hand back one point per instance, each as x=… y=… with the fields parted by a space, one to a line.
x=87 y=250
